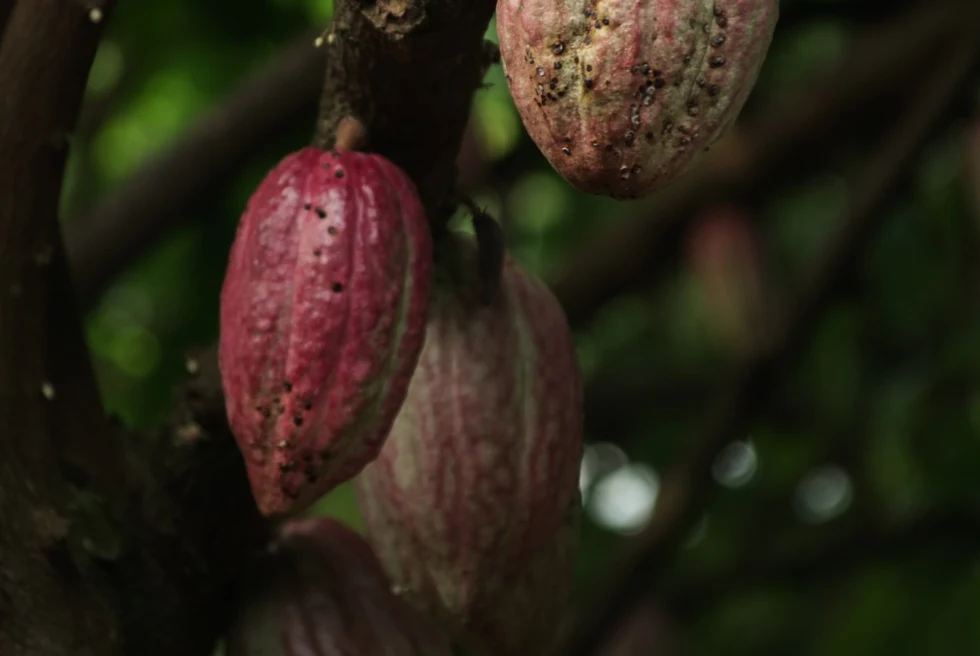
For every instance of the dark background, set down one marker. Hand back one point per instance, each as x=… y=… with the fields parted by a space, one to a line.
x=844 y=519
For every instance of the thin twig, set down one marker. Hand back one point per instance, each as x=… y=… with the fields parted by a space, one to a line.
x=687 y=487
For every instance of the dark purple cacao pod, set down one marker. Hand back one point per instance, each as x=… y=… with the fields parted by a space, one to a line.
x=321 y=592
x=483 y=459
x=622 y=95
x=322 y=320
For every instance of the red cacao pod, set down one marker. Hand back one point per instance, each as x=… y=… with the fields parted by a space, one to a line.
x=483 y=458
x=321 y=592
x=322 y=320
x=622 y=95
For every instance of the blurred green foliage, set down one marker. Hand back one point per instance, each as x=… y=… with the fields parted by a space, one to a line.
x=878 y=419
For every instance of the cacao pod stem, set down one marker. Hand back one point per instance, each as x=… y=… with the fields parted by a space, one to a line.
x=490 y=250
x=351 y=134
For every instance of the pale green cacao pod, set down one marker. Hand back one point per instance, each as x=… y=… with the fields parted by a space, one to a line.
x=477 y=475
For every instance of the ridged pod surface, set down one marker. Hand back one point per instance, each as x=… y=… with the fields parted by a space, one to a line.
x=322 y=320
x=483 y=460
x=622 y=95
x=529 y=614
x=321 y=592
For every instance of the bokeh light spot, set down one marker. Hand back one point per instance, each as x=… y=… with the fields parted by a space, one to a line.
x=736 y=465
x=623 y=501
x=824 y=493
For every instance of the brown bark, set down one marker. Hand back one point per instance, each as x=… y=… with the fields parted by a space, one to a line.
x=54 y=438
x=408 y=70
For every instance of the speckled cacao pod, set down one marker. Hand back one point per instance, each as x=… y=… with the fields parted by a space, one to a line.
x=320 y=591
x=483 y=459
x=322 y=320
x=622 y=95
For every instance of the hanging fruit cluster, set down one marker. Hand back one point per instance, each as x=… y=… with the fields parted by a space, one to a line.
x=343 y=346
x=442 y=378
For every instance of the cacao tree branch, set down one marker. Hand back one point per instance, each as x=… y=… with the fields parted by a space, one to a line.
x=54 y=439
x=785 y=141
x=949 y=530
x=99 y=553
x=687 y=486
x=102 y=242
x=369 y=76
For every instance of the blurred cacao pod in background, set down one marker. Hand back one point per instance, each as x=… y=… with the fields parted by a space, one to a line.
x=476 y=477
x=320 y=591
x=621 y=96
x=726 y=261
x=972 y=167
x=322 y=320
